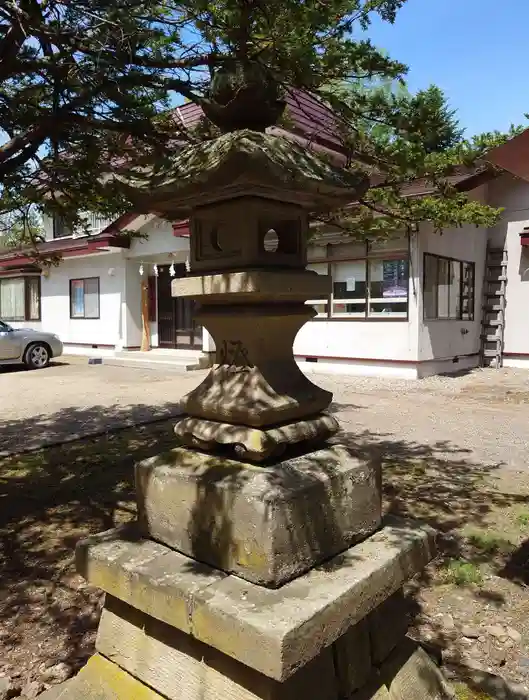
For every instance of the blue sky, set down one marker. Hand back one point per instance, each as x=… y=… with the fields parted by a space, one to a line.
x=475 y=50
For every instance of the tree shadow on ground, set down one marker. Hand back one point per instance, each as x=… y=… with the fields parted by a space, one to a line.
x=442 y=486
x=74 y=422
x=516 y=566
x=51 y=498
x=439 y=484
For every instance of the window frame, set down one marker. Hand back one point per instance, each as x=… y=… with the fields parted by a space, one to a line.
x=27 y=304
x=366 y=316
x=471 y=307
x=57 y=223
x=84 y=280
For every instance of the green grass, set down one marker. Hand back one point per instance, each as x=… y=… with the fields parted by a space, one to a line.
x=463 y=692
x=523 y=519
x=490 y=542
x=462 y=573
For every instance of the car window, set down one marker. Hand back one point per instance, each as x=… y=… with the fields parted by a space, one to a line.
x=3 y=327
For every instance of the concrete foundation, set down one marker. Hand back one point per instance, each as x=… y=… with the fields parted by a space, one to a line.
x=266 y=524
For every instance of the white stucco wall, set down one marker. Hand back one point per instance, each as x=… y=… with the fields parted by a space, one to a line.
x=513 y=195
x=55 y=300
x=160 y=242
x=372 y=346
x=444 y=340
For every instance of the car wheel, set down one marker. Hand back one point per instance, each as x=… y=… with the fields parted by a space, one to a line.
x=37 y=356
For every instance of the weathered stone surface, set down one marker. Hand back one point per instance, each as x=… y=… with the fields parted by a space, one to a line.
x=147 y=575
x=222 y=239
x=246 y=162
x=410 y=674
x=253 y=286
x=269 y=524
x=274 y=631
x=256 y=380
x=388 y=625
x=372 y=691
x=352 y=656
x=101 y=679
x=254 y=444
x=181 y=668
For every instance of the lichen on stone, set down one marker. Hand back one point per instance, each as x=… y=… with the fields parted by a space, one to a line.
x=266 y=150
x=272 y=161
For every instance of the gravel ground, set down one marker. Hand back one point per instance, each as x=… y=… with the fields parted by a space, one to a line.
x=482 y=415
x=72 y=399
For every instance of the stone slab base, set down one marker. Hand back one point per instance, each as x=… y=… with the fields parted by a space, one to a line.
x=142 y=659
x=57 y=692
x=265 y=524
x=273 y=631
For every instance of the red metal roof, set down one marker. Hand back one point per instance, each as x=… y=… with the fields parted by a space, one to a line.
x=181 y=229
x=306 y=115
x=512 y=156
x=66 y=248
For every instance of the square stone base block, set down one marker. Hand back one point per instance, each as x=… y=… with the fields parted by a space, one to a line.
x=275 y=632
x=265 y=524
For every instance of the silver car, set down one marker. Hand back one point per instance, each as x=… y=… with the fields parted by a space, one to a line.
x=25 y=346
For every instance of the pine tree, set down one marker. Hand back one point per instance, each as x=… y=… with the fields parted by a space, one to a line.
x=87 y=87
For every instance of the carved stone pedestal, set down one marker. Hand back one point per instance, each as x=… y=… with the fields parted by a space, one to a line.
x=255 y=399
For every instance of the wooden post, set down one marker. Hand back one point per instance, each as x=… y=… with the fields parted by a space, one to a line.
x=145 y=326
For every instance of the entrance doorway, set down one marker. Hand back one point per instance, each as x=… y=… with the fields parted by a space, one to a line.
x=176 y=323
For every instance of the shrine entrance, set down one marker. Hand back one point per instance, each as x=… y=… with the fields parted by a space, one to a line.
x=176 y=323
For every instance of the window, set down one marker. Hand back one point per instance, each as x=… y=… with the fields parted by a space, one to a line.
x=321 y=306
x=388 y=288
x=60 y=229
x=368 y=288
x=349 y=289
x=84 y=298
x=20 y=299
x=448 y=288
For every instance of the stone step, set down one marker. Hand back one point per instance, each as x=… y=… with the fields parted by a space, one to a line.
x=181 y=362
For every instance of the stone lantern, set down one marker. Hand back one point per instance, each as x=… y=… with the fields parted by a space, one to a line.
x=239 y=191
x=259 y=568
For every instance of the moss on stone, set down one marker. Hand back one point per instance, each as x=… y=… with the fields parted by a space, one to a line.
x=275 y=160
x=463 y=692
